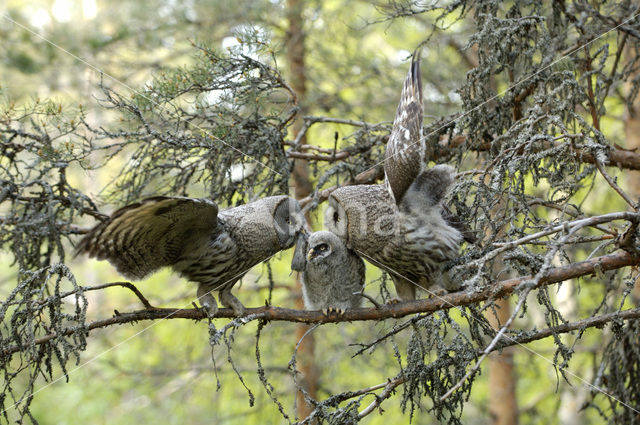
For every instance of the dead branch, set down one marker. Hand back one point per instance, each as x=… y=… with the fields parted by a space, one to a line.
x=615 y=157
x=385 y=394
x=314 y=119
x=370 y=176
x=338 y=156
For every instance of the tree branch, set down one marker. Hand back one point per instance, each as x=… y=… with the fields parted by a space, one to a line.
x=127 y=285
x=501 y=289
x=369 y=176
x=338 y=156
x=595 y=118
x=615 y=157
x=591 y=322
x=620 y=158
x=385 y=394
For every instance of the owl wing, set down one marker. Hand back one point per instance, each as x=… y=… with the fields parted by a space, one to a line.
x=406 y=148
x=360 y=271
x=456 y=222
x=143 y=237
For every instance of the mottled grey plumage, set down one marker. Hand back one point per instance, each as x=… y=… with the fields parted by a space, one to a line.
x=405 y=153
x=333 y=275
x=411 y=247
x=402 y=225
x=213 y=248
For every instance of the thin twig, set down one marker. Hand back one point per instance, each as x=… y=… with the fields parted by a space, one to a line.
x=127 y=285
x=385 y=394
x=314 y=119
x=596 y=124
x=489 y=348
x=570 y=227
x=338 y=156
x=614 y=185
x=591 y=322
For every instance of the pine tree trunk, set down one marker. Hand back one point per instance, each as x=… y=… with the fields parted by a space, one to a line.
x=302 y=187
x=503 y=404
x=632 y=136
x=632 y=132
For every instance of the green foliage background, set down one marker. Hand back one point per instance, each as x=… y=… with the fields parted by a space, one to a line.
x=356 y=60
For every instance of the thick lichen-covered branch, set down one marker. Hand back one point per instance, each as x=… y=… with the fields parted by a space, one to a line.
x=500 y=289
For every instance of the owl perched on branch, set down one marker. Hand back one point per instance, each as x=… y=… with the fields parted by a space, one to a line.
x=332 y=275
x=213 y=248
x=401 y=226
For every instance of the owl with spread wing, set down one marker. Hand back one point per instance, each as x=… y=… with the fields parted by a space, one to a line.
x=402 y=225
x=210 y=247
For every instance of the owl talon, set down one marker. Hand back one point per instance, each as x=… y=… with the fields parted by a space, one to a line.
x=209 y=306
x=206 y=300
x=393 y=301
x=202 y=309
x=437 y=292
x=329 y=310
x=228 y=300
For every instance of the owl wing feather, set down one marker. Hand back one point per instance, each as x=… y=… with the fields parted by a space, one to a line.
x=405 y=151
x=456 y=222
x=143 y=237
x=357 y=283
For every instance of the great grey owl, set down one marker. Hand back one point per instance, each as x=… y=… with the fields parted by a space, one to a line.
x=213 y=248
x=401 y=225
x=332 y=275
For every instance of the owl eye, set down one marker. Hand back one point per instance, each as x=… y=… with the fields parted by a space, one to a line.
x=336 y=217
x=322 y=247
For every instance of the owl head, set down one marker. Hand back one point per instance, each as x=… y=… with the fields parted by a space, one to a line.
x=321 y=245
x=361 y=215
x=289 y=222
x=266 y=225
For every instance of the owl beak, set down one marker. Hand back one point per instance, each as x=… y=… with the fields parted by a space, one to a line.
x=299 y=262
x=312 y=253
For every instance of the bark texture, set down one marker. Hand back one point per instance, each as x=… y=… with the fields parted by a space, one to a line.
x=302 y=188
